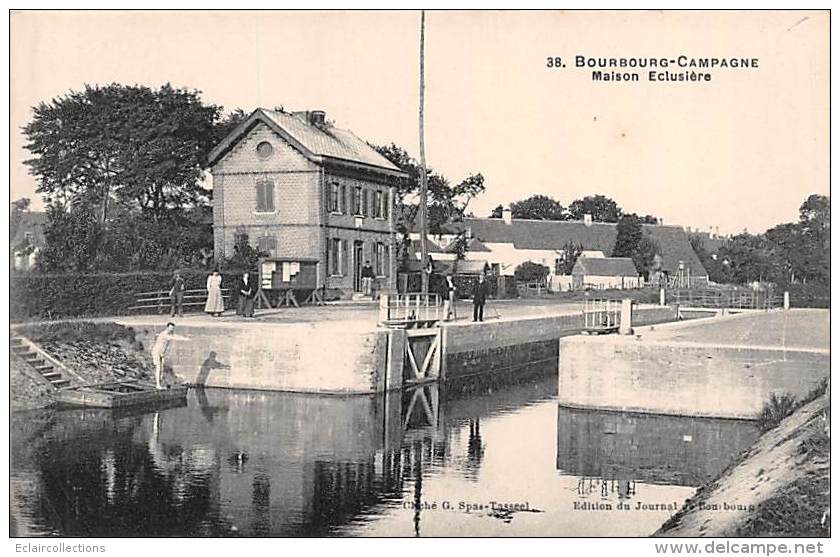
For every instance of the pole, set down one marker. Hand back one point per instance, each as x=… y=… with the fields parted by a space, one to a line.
x=424 y=252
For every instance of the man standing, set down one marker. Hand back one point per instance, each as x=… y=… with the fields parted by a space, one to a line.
x=367 y=278
x=479 y=298
x=246 y=291
x=159 y=350
x=176 y=295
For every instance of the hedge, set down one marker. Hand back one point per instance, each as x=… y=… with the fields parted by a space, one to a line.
x=54 y=296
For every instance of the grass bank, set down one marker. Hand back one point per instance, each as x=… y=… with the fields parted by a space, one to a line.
x=95 y=352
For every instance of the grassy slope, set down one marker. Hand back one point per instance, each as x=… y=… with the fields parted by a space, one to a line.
x=779 y=487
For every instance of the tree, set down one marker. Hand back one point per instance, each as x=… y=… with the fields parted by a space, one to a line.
x=633 y=242
x=497 y=212
x=571 y=252
x=538 y=207
x=71 y=239
x=445 y=204
x=602 y=209
x=628 y=235
x=133 y=145
x=531 y=272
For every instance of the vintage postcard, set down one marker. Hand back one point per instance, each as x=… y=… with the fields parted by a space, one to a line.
x=420 y=274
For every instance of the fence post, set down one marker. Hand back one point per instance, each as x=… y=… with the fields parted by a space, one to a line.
x=786 y=303
x=384 y=299
x=662 y=297
x=626 y=323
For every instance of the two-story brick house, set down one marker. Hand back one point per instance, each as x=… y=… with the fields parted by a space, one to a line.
x=300 y=187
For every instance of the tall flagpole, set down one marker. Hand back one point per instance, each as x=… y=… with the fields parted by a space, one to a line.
x=424 y=253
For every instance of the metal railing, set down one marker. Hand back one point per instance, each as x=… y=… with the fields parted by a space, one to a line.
x=725 y=299
x=160 y=299
x=406 y=309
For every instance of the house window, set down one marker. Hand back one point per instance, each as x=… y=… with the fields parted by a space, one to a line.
x=357 y=201
x=381 y=260
x=267 y=244
x=385 y=205
x=337 y=256
x=265 y=196
x=378 y=205
x=264 y=150
x=335 y=198
x=343 y=206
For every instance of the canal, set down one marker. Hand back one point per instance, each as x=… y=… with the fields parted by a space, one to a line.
x=495 y=459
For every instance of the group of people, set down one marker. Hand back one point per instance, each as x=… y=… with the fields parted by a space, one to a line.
x=448 y=293
x=246 y=292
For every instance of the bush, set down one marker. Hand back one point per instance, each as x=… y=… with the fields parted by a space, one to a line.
x=811 y=295
x=775 y=410
x=47 y=296
x=105 y=333
x=531 y=272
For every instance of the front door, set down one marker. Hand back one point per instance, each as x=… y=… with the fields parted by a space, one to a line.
x=358 y=261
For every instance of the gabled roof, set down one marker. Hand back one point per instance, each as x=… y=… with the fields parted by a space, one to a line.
x=317 y=143
x=605 y=267
x=672 y=241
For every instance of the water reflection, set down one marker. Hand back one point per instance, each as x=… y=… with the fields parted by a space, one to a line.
x=611 y=451
x=270 y=464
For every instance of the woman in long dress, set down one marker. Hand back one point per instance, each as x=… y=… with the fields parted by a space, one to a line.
x=215 y=304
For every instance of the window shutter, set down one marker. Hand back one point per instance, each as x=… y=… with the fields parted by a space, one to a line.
x=344 y=257
x=364 y=203
x=343 y=206
x=269 y=196
x=260 y=197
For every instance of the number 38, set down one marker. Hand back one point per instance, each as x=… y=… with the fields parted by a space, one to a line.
x=553 y=62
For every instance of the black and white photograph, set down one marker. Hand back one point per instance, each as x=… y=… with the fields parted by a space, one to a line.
x=419 y=273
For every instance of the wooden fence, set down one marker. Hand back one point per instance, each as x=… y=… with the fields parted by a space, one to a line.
x=160 y=300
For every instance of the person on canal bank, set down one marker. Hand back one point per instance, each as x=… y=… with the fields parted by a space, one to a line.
x=246 y=289
x=367 y=279
x=446 y=291
x=161 y=345
x=215 y=304
x=480 y=291
x=176 y=295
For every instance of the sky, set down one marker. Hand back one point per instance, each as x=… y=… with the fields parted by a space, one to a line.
x=741 y=151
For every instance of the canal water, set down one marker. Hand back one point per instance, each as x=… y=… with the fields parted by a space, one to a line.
x=494 y=460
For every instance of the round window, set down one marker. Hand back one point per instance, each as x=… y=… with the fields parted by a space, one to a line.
x=264 y=150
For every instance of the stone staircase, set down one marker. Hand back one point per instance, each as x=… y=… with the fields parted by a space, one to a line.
x=21 y=349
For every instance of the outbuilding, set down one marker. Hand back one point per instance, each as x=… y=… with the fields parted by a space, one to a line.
x=605 y=272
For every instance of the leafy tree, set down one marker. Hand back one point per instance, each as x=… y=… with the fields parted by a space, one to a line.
x=538 y=207
x=531 y=272
x=628 y=235
x=447 y=203
x=631 y=241
x=497 y=212
x=245 y=256
x=571 y=252
x=139 y=147
x=602 y=209
x=72 y=239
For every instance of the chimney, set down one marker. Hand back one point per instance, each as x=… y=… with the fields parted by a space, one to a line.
x=661 y=221
x=506 y=216
x=587 y=219
x=317 y=118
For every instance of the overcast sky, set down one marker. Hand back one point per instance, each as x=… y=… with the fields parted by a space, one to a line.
x=740 y=151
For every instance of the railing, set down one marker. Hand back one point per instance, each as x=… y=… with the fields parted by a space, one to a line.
x=401 y=310
x=725 y=299
x=160 y=299
x=601 y=315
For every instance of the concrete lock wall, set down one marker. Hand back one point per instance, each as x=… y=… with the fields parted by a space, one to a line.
x=320 y=359
x=682 y=378
x=499 y=345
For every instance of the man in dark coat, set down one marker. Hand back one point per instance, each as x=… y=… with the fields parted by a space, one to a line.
x=480 y=291
x=246 y=289
x=176 y=295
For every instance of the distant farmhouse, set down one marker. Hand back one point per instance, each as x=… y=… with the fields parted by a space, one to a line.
x=299 y=187
x=505 y=243
x=28 y=240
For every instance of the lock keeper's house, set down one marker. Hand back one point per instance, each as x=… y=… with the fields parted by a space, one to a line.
x=299 y=187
